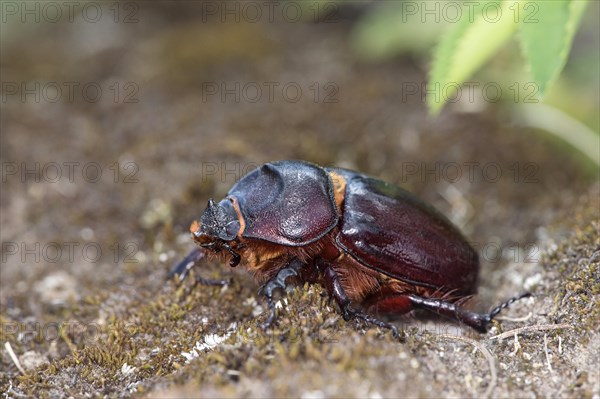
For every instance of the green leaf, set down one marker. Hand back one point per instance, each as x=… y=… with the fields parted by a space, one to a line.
x=467 y=46
x=391 y=29
x=546 y=31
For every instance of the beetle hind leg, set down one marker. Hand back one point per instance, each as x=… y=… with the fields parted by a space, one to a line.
x=507 y=303
x=478 y=321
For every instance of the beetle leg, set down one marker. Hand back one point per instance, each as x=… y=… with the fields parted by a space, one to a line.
x=182 y=268
x=479 y=321
x=334 y=286
x=507 y=303
x=292 y=269
x=209 y=281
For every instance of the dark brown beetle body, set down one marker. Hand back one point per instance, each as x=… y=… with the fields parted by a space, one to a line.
x=368 y=242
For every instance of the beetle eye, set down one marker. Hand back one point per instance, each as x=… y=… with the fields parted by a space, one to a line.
x=233 y=228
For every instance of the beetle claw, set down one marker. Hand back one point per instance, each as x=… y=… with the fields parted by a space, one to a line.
x=506 y=304
x=269 y=322
x=349 y=312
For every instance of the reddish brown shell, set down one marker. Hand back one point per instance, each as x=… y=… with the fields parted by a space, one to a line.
x=288 y=203
x=392 y=231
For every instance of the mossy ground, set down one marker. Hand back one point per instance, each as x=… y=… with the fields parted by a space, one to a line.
x=117 y=327
x=312 y=351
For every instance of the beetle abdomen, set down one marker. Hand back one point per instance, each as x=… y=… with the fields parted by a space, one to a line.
x=392 y=231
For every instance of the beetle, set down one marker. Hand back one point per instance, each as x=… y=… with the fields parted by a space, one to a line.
x=368 y=242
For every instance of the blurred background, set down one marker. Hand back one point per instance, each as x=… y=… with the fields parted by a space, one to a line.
x=120 y=120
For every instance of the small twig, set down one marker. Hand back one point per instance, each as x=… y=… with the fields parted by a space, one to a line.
x=14 y=357
x=540 y=327
x=559 y=345
x=488 y=356
x=546 y=351
x=517 y=345
x=516 y=319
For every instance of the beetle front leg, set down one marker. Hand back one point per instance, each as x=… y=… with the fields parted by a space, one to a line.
x=334 y=286
x=292 y=269
x=182 y=268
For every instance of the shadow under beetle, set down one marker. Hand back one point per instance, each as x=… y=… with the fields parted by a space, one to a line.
x=368 y=242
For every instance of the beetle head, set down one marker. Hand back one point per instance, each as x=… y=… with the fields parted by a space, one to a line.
x=219 y=225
